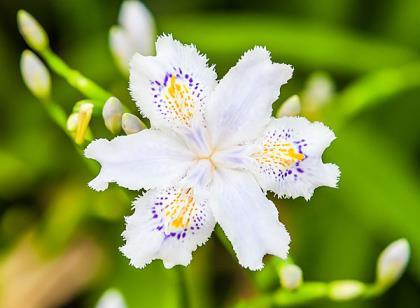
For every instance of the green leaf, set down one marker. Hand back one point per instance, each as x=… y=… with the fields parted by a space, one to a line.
x=373 y=89
x=306 y=45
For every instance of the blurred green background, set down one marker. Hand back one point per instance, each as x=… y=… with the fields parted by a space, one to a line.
x=59 y=240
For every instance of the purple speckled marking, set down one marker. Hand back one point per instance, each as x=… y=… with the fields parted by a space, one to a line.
x=285 y=136
x=164 y=202
x=160 y=92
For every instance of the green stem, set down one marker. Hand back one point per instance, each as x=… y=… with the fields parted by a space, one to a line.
x=184 y=300
x=56 y=113
x=86 y=86
x=59 y=117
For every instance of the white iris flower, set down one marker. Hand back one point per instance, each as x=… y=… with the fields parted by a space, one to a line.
x=212 y=153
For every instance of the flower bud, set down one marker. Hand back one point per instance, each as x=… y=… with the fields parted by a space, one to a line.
x=138 y=22
x=35 y=75
x=290 y=276
x=318 y=92
x=290 y=108
x=112 y=113
x=343 y=290
x=33 y=33
x=72 y=121
x=84 y=116
x=392 y=262
x=121 y=47
x=131 y=124
x=112 y=298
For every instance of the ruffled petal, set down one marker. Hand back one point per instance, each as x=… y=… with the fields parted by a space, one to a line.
x=167 y=224
x=147 y=159
x=241 y=104
x=247 y=217
x=289 y=160
x=172 y=87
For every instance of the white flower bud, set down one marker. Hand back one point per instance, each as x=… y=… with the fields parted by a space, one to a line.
x=72 y=121
x=112 y=113
x=33 y=33
x=290 y=276
x=84 y=116
x=319 y=91
x=290 y=108
x=392 y=262
x=35 y=75
x=121 y=47
x=112 y=298
x=131 y=124
x=137 y=20
x=343 y=290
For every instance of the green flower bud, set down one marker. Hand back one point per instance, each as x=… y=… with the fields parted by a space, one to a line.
x=131 y=124
x=392 y=262
x=290 y=108
x=35 y=75
x=72 y=121
x=290 y=276
x=112 y=113
x=318 y=92
x=111 y=298
x=33 y=33
x=343 y=290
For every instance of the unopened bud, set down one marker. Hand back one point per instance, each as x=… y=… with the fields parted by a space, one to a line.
x=112 y=298
x=121 y=47
x=84 y=116
x=343 y=290
x=139 y=24
x=319 y=90
x=33 y=33
x=392 y=262
x=112 y=114
x=290 y=108
x=131 y=124
x=72 y=121
x=290 y=276
x=35 y=75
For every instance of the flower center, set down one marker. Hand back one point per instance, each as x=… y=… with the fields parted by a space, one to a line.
x=209 y=158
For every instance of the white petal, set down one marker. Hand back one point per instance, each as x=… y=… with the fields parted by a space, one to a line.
x=248 y=218
x=240 y=106
x=199 y=175
x=168 y=225
x=147 y=159
x=289 y=162
x=137 y=20
x=171 y=88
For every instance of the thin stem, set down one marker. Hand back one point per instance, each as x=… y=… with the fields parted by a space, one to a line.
x=59 y=117
x=86 y=86
x=56 y=113
x=182 y=283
